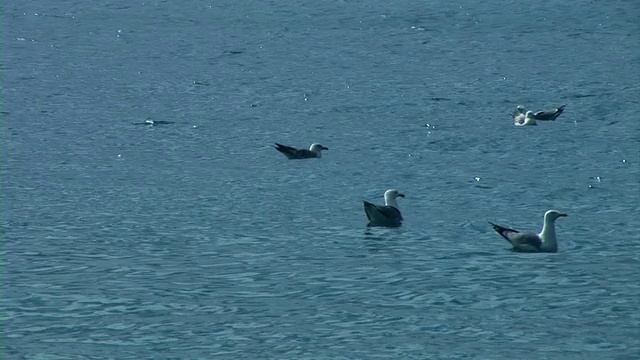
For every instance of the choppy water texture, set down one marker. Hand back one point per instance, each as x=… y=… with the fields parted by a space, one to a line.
x=196 y=239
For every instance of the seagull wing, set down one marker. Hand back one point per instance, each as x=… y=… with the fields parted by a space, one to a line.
x=519 y=240
x=506 y=233
x=526 y=242
x=382 y=215
x=549 y=114
x=305 y=154
x=288 y=151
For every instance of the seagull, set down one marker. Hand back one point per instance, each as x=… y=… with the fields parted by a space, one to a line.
x=315 y=151
x=150 y=122
x=388 y=215
x=545 y=241
x=549 y=114
x=527 y=120
x=519 y=114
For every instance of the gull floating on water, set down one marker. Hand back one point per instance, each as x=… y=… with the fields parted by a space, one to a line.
x=549 y=114
x=519 y=115
x=388 y=215
x=545 y=241
x=315 y=151
x=150 y=122
x=526 y=120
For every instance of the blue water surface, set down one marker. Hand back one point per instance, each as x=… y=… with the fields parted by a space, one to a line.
x=196 y=239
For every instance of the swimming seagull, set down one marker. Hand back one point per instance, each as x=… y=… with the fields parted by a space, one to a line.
x=528 y=120
x=549 y=114
x=545 y=241
x=519 y=114
x=388 y=215
x=150 y=122
x=315 y=151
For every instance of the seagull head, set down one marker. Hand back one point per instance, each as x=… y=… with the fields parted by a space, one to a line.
x=317 y=148
x=520 y=109
x=529 y=114
x=390 y=197
x=392 y=193
x=552 y=215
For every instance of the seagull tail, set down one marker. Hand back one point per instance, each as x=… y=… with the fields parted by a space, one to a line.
x=558 y=111
x=368 y=207
x=282 y=148
x=503 y=231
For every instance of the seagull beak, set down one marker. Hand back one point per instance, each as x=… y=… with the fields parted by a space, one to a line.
x=400 y=195
x=325 y=148
x=559 y=215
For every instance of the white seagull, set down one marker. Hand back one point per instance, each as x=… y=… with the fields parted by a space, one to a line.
x=545 y=241
x=388 y=215
x=528 y=120
x=315 y=151
x=519 y=114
